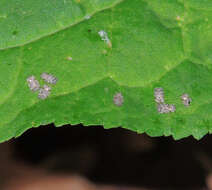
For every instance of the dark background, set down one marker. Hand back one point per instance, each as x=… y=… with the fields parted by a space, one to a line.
x=116 y=156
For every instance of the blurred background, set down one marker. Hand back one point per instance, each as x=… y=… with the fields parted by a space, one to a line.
x=91 y=158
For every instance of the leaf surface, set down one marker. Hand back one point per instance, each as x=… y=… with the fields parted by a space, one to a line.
x=155 y=43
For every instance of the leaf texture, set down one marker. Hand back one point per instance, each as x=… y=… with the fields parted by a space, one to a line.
x=154 y=43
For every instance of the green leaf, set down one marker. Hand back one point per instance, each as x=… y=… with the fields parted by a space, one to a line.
x=22 y=22
x=154 y=43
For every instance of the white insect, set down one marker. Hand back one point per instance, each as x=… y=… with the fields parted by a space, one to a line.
x=186 y=100
x=104 y=37
x=69 y=58
x=49 y=78
x=87 y=17
x=166 y=108
x=159 y=95
x=118 y=99
x=44 y=92
x=33 y=83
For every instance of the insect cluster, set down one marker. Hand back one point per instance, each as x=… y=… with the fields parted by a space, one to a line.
x=162 y=107
x=45 y=90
